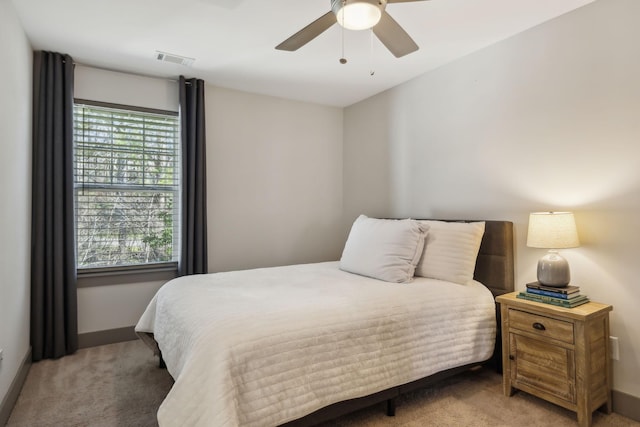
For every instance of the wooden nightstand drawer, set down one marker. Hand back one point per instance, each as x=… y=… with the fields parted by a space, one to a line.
x=541 y=325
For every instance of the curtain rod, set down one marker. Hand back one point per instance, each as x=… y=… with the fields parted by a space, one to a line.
x=128 y=72
x=125 y=72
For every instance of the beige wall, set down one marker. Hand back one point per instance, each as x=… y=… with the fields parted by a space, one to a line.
x=15 y=194
x=274 y=181
x=274 y=184
x=546 y=120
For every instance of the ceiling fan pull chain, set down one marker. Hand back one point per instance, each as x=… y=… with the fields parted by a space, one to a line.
x=371 y=70
x=343 y=60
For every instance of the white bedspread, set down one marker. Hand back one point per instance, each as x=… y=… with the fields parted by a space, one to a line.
x=266 y=346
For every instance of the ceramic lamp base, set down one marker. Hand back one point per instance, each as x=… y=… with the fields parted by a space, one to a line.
x=553 y=270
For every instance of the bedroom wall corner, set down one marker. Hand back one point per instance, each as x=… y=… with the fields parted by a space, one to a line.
x=368 y=160
x=544 y=120
x=15 y=209
x=274 y=171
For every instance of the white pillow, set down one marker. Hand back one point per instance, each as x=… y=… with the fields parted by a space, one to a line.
x=384 y=249
x=450 y=251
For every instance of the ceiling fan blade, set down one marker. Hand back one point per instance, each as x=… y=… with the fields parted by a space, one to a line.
x=402 y=1
x=394 y=37
x=309 y=32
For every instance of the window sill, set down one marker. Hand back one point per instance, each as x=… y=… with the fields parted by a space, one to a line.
x=106 y=276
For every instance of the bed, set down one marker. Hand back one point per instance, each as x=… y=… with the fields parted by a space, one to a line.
x=297 y=345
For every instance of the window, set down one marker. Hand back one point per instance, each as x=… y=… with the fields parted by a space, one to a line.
x=126 y=164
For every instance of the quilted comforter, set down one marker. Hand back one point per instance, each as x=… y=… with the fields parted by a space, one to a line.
x=262 y=347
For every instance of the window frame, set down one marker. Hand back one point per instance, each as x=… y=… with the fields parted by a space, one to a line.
x=136 y=273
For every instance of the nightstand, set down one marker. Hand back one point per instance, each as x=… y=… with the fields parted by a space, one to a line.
x=557 y=354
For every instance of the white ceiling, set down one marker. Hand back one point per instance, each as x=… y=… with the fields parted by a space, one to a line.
x=233 y=41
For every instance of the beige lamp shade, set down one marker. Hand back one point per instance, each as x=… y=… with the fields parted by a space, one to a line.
x=552 y=230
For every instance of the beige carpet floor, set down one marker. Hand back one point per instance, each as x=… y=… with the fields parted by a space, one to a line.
x=121 y=385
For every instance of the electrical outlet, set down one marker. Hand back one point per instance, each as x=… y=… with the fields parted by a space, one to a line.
x=615 y=348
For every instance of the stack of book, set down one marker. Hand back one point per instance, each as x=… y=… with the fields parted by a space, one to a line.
x=567 y=296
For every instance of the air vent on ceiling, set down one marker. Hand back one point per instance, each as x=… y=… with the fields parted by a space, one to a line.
x=174 y=59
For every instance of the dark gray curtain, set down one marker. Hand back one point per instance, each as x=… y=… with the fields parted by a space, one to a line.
x=54 y=324
x=193 y=259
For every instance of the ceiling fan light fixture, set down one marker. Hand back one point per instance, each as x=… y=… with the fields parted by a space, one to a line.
x=367 y=14
x=358 y=14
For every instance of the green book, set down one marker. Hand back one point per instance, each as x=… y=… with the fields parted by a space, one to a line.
x=574 y=302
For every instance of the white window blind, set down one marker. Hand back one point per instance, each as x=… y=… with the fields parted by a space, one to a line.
x=126 y=165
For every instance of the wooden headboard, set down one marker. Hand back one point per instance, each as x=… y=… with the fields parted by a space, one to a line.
x=494 y=266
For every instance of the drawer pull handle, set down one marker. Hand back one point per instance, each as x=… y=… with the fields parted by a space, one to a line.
x=539 y=326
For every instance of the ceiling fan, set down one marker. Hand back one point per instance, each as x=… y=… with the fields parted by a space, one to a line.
x=358 y=15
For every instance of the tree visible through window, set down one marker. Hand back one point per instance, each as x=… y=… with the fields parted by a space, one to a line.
x=126 y=166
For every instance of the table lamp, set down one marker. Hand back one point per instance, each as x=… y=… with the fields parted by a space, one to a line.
x=552 y=230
